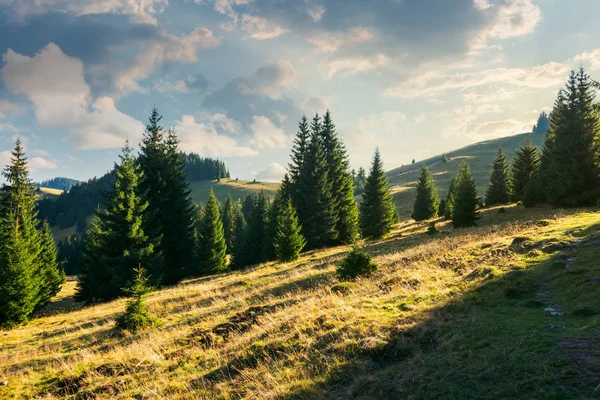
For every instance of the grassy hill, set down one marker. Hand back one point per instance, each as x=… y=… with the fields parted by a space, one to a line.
x=508 y=309
x=479 y=156
x=237 y=189
x=49 y=193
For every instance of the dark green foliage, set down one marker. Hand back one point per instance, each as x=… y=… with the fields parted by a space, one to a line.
x=228 y=214
x=525 y=167
x=432 y=229
x=542 y=125
x=377 y=212
x=499 y=188
x=450 y=197
x=570 y=171
x=360 y=180
x=70 y=254
x=254 y=237
x=29 y=274
x=427 y=201
x=116 y=242
x=315 y=208
x=271 y=227
x=202 y=169
x=342 y=185
x=442 y=207
x=533 y=192
x=136 y=317
x=248 y=206
x=464 y=201
x=59 y=183
x=356 y=263
x=298 y=155
x=444 y=158
x=288 y=240
x=237 y=254
x=212 y=246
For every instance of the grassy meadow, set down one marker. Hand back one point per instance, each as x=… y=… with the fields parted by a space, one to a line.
x=237 y=189
x=462 y=314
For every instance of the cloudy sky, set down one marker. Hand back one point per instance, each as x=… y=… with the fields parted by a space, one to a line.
x=233 y=77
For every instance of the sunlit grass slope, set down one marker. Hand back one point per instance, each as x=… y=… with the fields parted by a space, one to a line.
x=458 y=315
x=237 y=189
x=479 y=156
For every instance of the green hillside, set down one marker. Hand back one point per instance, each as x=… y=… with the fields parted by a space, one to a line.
x=237 y=189
x=479 y=156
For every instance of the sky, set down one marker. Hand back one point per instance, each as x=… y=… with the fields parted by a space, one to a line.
x=415 y=78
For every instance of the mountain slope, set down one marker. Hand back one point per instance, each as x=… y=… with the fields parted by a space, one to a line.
x=479 y=156
x=460 y=315
x=230 y=187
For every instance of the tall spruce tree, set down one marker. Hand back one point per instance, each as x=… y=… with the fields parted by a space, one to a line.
x=427 y=201
x=51 y=276
x=464 y=208
x=116 y=243
x=525 y=167
x=288 y=239
x=342 y=184
x=228 y=215
x=450 y=196
x=26 y=269
x=254 y=238
x=237 y=253
x=211 y=238
x=298 y=156
x=570 y=168
x=248 y=206
x=316 y=208
x=377 y=212
x=499 y=188
x=271 y=227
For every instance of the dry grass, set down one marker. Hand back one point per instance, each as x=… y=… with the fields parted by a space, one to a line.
x=308 y=341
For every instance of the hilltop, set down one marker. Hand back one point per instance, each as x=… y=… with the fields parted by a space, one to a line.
x=237 y=189
x=479 y=156
x=503 y=310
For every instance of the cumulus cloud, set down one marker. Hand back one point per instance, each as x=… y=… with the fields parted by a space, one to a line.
x=270 y=79
x=591 y=57
x=265 y=134
x=34 y=163
x=353 y=65
x=331 y=41
x=313 y=105
x=55 y=84
x=8 y=108
x=273 y=173
x=261 y=28
x=204 y=138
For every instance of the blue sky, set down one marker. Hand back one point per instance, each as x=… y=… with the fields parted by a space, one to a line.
x=233 y=77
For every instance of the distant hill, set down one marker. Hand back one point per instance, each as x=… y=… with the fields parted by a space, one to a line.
x=479 y=156
x=59 y=183
x=237 y=189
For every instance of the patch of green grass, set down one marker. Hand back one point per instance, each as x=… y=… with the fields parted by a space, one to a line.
x=237 y=189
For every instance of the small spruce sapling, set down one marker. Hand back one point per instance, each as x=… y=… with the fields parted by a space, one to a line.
x=356 y=263
x=136 y=316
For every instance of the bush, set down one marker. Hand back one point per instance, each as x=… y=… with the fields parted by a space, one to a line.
x=357 y=263
x=137 y=317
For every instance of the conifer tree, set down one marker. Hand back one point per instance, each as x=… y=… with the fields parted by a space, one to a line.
x=299 y=152
x=345 y=211
x=116 y=242
x=525 y=167
x=464 y=199
x=315 y=210
x=51 y=275
x=254 y=238
x=136 y=316
x=449 y=206
x=377 y=212
x=427 y=201
x=228 y=214
x=499 y=188
x=248 y=206
x=237 y=254
x=212 y=245
x=570 y=168
x=271 y=227
x=288 y=240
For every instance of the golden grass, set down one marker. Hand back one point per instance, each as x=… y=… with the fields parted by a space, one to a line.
x=309 y=337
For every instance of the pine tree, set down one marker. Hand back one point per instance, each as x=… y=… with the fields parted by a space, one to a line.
x=345 y=211
x=427 y=201
x=288 y=241
x=525 y=166
x=237 y=254
x=499 y=188
x=212 y=245
x=542 y=125
x=248 y=206
x=20 y=248
x=228 y=214
x=50 y=274
x=254 y=238
x=315 y=208
x=271 y=228
x=299 y=152
x=570 y=166
x=116 y=242
x=136 y=316
x=377 y=212
x=465 y=198
x=449 y=206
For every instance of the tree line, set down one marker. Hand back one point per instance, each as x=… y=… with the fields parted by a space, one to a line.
x=565 y=174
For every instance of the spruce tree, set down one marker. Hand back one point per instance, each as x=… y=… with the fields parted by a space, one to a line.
x=228 y=214
x=315 y=208
x=342 y=184
x=525 y=166
x=237 y=254
x=248 y=206
x=136 y=316
x=298 y=156
x=427 y=201
x=254 y=238
x=465 y=198
x=271 y=226
x=377 y=212
x=51 y=275
x=116 y=243
x=212 y=244
x=449 y=206
x=570 y=169
x=499 y=188
x=288 y=240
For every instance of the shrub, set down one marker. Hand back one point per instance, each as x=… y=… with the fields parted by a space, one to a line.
x=357 y=263
x=136 y=316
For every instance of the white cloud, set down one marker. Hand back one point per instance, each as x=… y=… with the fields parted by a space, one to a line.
x=316 y=12
x=591 y=57
x=226 y=7
x=163 y=86
x=266 y=135
x=261 y=28
x=273 y=173
x=353 y=65
x=9 y=109
x=34 y=163
x=204 y=138
x=55 y=84
x=330 y=42
x=312 y=105
x=270 y=79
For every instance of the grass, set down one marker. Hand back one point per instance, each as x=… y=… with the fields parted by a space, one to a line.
x=457 y=315
x=479 y=156
x=50 y=193
x=237 y=189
